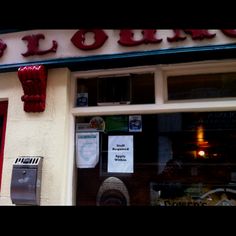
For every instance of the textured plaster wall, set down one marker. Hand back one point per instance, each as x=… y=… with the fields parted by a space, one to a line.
x=41 y=134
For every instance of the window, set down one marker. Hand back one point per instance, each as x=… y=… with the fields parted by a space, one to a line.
x=131 y=88
x=114 y=91
x=178 y=157
x=218 y=85
x=184 y=138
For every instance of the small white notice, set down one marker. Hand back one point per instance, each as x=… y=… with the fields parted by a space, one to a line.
x=87 y=149
x=120 y=154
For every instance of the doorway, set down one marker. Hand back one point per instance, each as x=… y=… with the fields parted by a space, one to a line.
x=3 y=120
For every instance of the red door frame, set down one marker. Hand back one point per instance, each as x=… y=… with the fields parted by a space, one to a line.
x=3 y=113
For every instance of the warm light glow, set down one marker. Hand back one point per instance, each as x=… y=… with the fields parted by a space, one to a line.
x=200 y=137
x=201 y=153
x=200 y=133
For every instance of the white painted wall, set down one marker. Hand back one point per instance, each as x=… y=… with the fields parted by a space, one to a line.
x=41 y=134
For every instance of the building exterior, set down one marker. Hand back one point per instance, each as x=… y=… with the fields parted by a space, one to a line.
x=133 y=117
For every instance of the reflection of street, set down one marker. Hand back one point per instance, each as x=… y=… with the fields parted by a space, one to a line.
x=220 y=196
x=193 y=195
x=176 y=187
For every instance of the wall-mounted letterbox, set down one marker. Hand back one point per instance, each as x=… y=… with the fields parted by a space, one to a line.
x=26 y=180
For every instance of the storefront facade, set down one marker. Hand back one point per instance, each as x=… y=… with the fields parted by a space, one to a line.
x=131 y=117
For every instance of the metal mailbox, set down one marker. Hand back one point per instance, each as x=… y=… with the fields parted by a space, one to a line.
x=26 y=180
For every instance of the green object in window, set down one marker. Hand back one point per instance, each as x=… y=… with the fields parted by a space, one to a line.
x=117 y=123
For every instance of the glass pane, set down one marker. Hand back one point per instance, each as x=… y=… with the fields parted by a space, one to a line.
x=143 y=89
x=87 y=90
x=114 y=90
x=178 y=159
x=201 y=86
x=117 y=89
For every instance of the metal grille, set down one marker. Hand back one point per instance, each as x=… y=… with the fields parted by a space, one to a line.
x=25 y=160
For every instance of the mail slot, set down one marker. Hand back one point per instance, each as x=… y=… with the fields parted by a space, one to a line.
x=26 y=180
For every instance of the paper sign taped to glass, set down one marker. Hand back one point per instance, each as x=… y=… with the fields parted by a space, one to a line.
x=120 y=154
x=87 y=149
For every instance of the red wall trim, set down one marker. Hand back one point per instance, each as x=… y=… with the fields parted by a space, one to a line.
x=3 y=113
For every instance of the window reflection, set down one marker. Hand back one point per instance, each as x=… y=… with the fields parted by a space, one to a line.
x=201 y=86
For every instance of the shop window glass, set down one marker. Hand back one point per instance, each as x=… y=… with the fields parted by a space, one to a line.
x=201 y=86
x=116 y=90
x=178 y=159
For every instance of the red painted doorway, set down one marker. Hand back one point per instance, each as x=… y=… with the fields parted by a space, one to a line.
x=3 y=121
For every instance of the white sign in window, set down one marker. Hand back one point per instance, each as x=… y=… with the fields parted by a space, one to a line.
x=87 y=149
x=120 y=154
